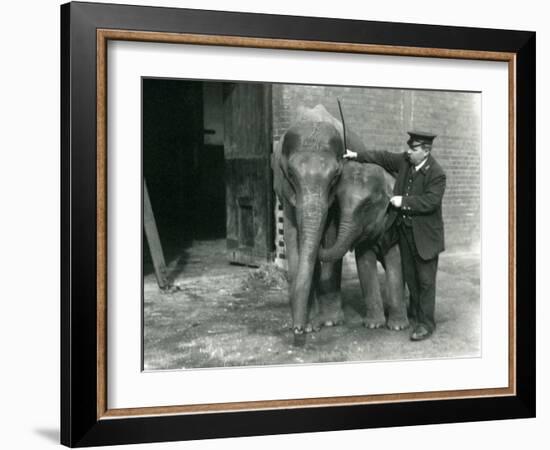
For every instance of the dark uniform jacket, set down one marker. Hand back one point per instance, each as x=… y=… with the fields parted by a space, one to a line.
x=421 y=206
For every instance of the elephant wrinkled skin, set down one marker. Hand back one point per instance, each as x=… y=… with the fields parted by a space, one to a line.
x=306 y=167
x=363 y=195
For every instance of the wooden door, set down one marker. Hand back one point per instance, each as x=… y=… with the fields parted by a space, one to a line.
x=249 y=187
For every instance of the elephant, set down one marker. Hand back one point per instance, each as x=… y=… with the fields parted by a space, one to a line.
x=363 y=195
x=307 y=164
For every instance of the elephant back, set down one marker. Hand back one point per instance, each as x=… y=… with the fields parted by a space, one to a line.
x=317 y=114
x=320 y=114
x=365 y=176
x=312 y=137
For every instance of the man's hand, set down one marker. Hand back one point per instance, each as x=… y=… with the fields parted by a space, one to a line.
x=350 y=155
x=397 y=201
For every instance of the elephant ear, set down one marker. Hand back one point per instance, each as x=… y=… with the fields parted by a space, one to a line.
x=287 y=189
x=280 y=181
x=277 y=175
x=336 y=181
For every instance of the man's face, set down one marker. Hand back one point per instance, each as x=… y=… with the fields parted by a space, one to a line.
x=417 y=152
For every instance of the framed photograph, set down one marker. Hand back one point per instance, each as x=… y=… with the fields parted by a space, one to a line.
x=278 y=224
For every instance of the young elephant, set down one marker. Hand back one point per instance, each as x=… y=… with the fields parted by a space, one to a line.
x=306 y=167
x=363 y=194
x=307 y=164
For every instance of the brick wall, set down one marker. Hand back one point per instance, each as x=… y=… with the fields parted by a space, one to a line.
x=383 y=116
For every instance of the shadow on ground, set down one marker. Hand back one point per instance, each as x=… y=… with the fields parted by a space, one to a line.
x=226 y=315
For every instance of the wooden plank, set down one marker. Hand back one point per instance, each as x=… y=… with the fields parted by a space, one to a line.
x=248 y=223
x=153 y=240
x=249 y=192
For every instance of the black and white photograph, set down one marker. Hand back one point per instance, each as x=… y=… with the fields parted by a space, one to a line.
x=293 y=224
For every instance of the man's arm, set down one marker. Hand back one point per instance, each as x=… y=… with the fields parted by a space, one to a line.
x=388 y=160
x=429 y=201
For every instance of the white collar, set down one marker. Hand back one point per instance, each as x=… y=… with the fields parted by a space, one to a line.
x=419 y=165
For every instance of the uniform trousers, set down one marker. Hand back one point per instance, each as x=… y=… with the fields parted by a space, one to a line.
x=420 y=276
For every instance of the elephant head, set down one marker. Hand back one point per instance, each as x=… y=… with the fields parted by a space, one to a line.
x=363 y=195
x=307 y=167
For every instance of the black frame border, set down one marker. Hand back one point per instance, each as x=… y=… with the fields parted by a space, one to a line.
x=79 y=423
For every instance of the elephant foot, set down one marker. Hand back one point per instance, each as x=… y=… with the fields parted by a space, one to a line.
x=397 y=323
x=333 y=320
x=299 y=337
x=313 y=327
x=374 y=322
x=331 y=313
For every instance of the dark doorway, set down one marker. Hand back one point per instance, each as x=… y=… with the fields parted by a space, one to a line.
x=184 y=174
x=206 y=150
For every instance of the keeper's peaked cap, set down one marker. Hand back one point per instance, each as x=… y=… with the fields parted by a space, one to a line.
x=421 y=136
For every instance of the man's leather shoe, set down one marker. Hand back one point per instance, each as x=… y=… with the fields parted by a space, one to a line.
x=420 y=333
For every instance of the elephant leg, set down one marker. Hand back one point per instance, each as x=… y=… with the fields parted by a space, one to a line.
x=368 y=278
x=291 y=249
x=397 y=310
x=313 y=323
x=291 y=242
x=330 y=297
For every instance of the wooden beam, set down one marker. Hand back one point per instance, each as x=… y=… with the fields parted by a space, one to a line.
x=153 y=240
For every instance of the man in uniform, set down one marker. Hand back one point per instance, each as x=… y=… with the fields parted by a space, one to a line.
x=416 y=220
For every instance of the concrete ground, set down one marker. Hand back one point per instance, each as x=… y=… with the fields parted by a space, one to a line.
x=228 y=315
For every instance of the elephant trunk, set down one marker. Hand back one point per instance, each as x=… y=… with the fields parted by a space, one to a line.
x=347 y=234
x=311 y=223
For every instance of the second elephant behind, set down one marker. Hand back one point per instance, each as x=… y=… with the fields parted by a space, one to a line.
x=363 y=195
